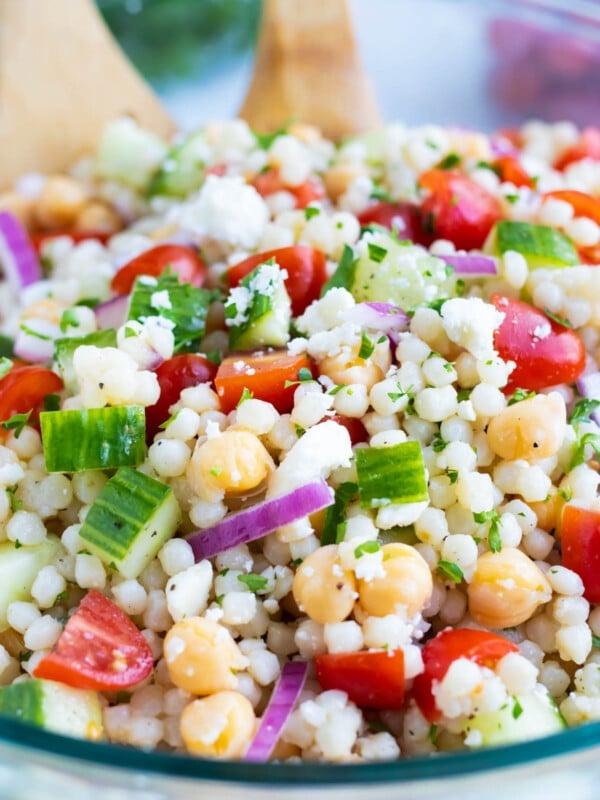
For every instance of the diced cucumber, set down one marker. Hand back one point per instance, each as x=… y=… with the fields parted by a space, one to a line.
x=182 y=170
x=53 y=706
x=129 y=154
x=259 y=310
x=394 y=474
x=130 y=520
x=93 y=438
x=6 y=346
x=404 y=274
x=524 y=717
x=65 y=348
x=19 y=567
x=541 y=245
x=182 y=304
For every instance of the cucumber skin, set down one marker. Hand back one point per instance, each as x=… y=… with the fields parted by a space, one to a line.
x=268 y=320
x=188 y=172
x=19 y=567
x=377 y=471
x=130 y=520
x=540 y=245
x=53 y=706
x=93 y=438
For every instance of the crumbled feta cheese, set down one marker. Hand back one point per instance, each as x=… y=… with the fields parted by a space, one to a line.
x=471 y=323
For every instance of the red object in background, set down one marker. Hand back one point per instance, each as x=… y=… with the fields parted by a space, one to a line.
x=40 y=239
x=270 y=182
x=482 y=647
x=510 y=169
x=24 y=388
x=371 y=678
x=181 y=260
x=306 y=268
x=174 y=375
x=588 y=146
x=457 y=208
x=405 y=218
x=580 y=541
x=545 y=353
x=100 y=649
x=265 y=375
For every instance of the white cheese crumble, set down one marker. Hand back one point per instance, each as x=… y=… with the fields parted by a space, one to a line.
x=471 y=323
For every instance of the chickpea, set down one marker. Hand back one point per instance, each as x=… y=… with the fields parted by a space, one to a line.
x=407 y=583
x=96 y=216
x=531 y=429
x=506 y=589
x=548 y=512
x=232 y=462
x=22 y=207
x=339 y=177
x=322 y=588
x=347 y=368
x=60 y=202
x=47 y=309
x=309 y=134
x=200 y=656
x=219 y=726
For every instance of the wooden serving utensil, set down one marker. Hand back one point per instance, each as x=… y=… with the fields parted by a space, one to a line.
x=62 y=78
x=308 y=69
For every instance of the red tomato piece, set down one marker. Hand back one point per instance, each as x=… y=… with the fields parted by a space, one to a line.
x=372 y=678
x=174 y=375
x=405 y=218
x=23 y=389
x=100 y=648
x=580 y=537
x=510 y=170
x=181 y=260
x=588 y=146
x=358 y=432
x=264 y=374
x=269 y=182
x=584 y=205
x=305 y=266
x=482 y=647
x=457 y=208
x=40 y=239
x=545 y=352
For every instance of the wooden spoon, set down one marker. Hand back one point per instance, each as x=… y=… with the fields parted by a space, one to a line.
x=62 y=77
x=308 y=69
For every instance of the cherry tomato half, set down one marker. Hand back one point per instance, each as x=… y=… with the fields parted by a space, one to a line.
x=545 y=352
x=174 y=375
x=100 y=648
x=405 y=218
x=457 y=208
x=372 y=678
x=580 y=538
x=270 y=182
x=510 y=169
x=584 y=205
x=482 y=647
x=183 y=261
x=588 y=146
x=23 y=389
x=306 y=270
x=265 y=375
x=358 y=432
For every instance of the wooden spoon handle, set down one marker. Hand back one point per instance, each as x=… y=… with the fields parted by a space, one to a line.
x=308 y=70
x=62 y=77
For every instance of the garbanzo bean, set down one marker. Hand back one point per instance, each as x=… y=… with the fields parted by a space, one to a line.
x=219 y=726
x=232 y=462
x=201 y=655
x=407 y=583
x=531 y=429
x=506 y=588
x=96 y=216
x=60 y=202
x=548 y=512
x=322 y=588
x=347 y=368
x=47 y=309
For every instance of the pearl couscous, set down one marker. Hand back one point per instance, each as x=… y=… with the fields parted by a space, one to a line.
x=279 y=415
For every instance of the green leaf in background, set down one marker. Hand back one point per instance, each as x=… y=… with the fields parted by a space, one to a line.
x=171 y=39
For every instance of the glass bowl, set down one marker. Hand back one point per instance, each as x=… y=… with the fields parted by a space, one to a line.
x=461 y=62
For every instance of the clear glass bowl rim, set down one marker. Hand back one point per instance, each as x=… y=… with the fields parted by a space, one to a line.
x=34 y=742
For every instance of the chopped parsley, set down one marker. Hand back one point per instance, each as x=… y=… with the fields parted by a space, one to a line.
x=366 y=346
x=256 y=583
x=450 y=161
x=246 y=395
x=494 y=538
x=450 y=570
x=376 y=253
x=16 y=504
x=311 y=211
x=69 y=319
x=51 y=402
x=518 y=395
x=31 y=332
x=17 y=422
x=366 y=547
x=566 y=323
x=304 y=375
x=5 y=366
x=517 y=709
x=583 y=410
x=452 y=475
x=438 y=443
x=595 y=640
x=167 y=422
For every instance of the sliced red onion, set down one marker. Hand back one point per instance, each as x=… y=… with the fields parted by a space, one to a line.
x=113 y=313
x=18 y=257
x=383 y=317
x=34 y=341
x=502 y=146
x=589 y=386
x=260 y=519
x=471 y=265
x=282 y=702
